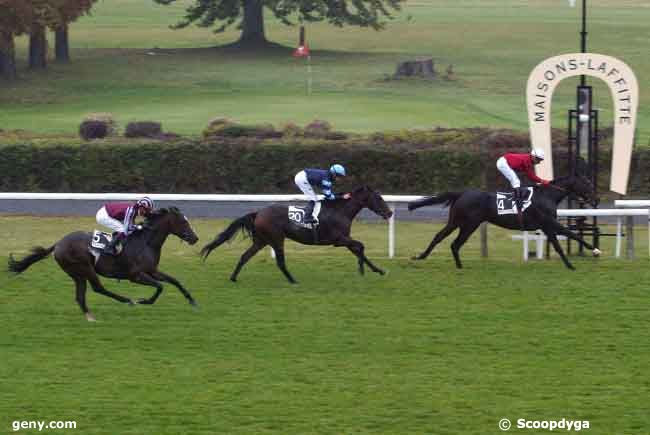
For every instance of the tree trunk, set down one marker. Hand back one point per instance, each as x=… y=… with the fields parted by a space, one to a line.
x=420 y=67
x=7 y=56
x=253 y=24
x=37 y=47
x=61 y=46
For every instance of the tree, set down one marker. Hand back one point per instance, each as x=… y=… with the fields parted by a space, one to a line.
x=15 y=19
x=69 y=11
x=44 y=14
x=249 y=14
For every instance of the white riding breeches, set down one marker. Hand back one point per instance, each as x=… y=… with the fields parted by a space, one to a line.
x=506 y=170
x=302 y=183
x=104 y=219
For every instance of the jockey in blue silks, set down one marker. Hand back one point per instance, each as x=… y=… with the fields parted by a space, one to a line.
x=323 y=179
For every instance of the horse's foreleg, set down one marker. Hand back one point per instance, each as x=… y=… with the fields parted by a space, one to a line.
x=465 y=232
x=280 y=261
x=160 y=276
x=250 y=252
x=552 y=237
x=357 y=248
x=564 y=231
x=442 y=234
x=146 y=279
x=99 y=288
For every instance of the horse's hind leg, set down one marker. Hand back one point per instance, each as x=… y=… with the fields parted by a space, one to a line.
x=464 y=234
x=247 y=255
x=442 y=234
x=80 y=284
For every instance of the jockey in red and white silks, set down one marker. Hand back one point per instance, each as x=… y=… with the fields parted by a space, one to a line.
x=512 y=162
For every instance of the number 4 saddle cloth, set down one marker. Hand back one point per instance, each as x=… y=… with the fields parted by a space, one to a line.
x=506 y=203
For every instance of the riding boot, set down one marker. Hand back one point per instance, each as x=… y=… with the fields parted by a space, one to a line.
x=309 y=213
x=519 y=204
x=113 y=247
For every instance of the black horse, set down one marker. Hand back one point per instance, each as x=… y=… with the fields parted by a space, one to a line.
x=138 y=261
x=470 y=208
x=271 y=225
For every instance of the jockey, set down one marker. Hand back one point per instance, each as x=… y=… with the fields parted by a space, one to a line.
x=309 y=178
x=120 y=217
x=512 y=162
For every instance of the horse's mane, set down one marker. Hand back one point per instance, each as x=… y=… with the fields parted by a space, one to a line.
x=561 y=179
x=157 y=214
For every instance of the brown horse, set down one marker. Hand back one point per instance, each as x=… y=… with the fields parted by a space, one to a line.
x=271 y=225
x=138 y=261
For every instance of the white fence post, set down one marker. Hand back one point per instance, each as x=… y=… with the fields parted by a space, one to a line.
x=619 y=232
x=391 y=232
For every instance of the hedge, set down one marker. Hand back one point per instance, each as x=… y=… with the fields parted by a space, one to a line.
x=452 y=161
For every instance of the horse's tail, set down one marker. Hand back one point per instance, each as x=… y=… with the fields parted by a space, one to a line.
x=38 y=253
x=245 y=223
x=448 y=198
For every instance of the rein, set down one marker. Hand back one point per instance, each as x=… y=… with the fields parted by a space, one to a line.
x=560 y=188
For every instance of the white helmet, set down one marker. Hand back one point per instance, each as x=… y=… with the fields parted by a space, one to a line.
x=537 y=152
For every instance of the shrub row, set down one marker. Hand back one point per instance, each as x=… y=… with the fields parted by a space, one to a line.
x=454 y=160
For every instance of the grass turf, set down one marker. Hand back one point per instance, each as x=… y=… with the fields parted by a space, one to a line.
x=493 y=46
x=425 y=349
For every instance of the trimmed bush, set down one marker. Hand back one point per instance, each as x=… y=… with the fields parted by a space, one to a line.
x=435 y=161
x=318 y=126
x=148 y=129
x=89 y=130
x=104 y=117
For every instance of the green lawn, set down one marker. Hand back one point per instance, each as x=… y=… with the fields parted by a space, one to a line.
x=424 y=349
x=493 y=46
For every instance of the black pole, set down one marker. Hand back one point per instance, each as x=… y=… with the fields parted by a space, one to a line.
x=583 y=37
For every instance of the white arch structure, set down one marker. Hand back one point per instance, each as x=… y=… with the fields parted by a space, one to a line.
x=625 y=92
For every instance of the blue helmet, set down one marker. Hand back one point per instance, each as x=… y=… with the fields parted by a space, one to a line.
x=337 y=170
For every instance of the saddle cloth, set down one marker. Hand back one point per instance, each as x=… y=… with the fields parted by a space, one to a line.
x=98 y=243
x=297 y=215
x=506 y=204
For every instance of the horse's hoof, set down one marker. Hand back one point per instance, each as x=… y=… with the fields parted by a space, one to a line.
x=381 y=272
x=194 y=304
x=597 y=252
x=90 y=317
x=143 y=301
x=417 y=257
x=233 y=279
x=131 y=302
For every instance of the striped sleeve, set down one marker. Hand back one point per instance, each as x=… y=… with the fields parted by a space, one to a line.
x=128 y=219
x=327 y=189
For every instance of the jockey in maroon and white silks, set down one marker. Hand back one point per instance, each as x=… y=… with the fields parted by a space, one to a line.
x=120 y=217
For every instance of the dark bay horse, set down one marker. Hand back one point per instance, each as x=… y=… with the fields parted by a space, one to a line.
x=138 y=261
x=271 y=225
x=471 y=207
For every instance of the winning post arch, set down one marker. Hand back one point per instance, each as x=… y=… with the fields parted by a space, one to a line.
x=624 y=88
